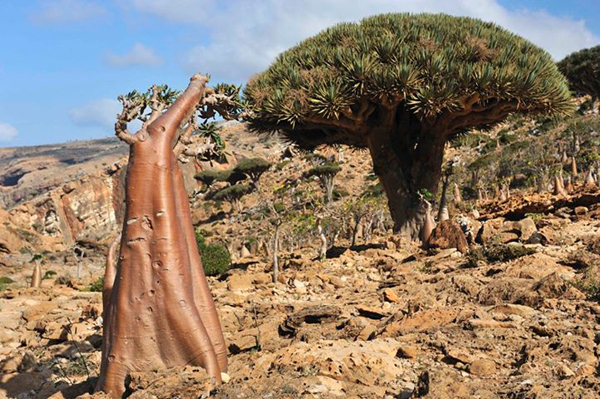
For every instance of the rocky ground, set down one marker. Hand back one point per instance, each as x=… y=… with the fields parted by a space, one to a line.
x=384 y=319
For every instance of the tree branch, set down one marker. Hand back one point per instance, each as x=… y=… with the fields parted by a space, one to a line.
x=156 y=106
x=184 y=138
x=181 y=109
x=132 y=107
x=481 y=118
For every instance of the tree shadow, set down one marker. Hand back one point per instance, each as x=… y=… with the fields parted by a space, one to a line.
x=212 y=218
x=337 y=251
x=243 y=265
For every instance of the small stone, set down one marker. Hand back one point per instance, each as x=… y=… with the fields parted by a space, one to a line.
x=448 y=234
x=367 y=332
x=337 y=282
x=245 y=253
x=407 y=352
x=239 y=282
x=299 y=284
x=262 y=278
x=390 y=296
x=581 y=210
x=527 y=228
x=225 y=378
x=564 y=372
x=586 y=369
x=482 y=367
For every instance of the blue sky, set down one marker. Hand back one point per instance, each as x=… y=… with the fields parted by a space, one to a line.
x=64 y=62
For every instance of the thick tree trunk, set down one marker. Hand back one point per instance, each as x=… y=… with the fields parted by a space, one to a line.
x=404 y=170
x=160 y=313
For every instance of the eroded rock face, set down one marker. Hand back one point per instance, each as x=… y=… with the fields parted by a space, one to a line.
x=90 y=210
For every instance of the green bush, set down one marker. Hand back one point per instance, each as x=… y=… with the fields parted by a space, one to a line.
x=96 y=286
x=279 y=207
x=6 y=280
x=49 y=274
x=340 y=193
x=216 y=259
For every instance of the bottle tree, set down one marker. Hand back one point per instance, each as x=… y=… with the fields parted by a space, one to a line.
x=582 y=68
x=159 y=312
x=402 y=85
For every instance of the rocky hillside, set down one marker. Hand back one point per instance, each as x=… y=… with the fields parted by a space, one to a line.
x=28 y=172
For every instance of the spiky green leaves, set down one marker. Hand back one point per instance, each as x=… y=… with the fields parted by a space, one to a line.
x=426 y=63
x=583 y=71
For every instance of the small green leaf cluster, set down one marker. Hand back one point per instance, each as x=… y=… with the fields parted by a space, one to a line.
x=97 y=285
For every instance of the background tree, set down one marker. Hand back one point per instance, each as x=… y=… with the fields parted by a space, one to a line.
x=209 y=177
x=159 y=310
x=325 y=173
x=359 y=209
x=582 y=69
x=402 y=85
x=253 y=168
x=233 y=195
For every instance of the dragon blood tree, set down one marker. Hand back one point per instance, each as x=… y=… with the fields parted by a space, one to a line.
x=159 y=312
x=402 y=85
x=582 y=68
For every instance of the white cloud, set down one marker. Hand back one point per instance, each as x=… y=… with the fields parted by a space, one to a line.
x=65 y=11
x=8 y=132
x=247 y=35
x=194 y=11
x=102 y=113
x=138 y=55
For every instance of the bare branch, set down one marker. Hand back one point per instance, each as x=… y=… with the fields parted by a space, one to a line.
x=132 y=108
x=123 y=134
x=184 y=137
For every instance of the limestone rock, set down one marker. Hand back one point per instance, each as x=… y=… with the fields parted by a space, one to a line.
x=526 y=227
x=239 y=282
x=482 y=367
